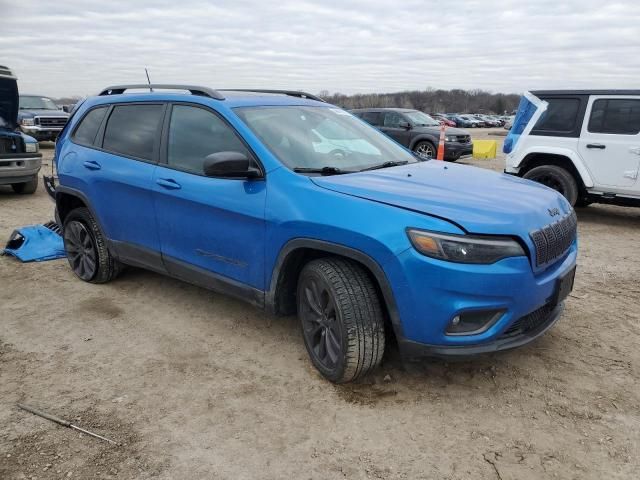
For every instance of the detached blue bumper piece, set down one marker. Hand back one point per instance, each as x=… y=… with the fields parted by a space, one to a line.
x=36 y=243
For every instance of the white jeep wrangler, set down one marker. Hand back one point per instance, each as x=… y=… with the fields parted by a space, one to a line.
x=583 y=143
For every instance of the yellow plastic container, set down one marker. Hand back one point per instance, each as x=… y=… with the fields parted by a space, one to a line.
x=484 y=148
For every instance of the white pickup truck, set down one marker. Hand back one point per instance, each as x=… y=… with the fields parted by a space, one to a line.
x=583 y=143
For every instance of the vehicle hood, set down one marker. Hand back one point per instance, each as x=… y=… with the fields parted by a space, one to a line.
x=436 y=130
x=8 y=103
x=479 y=201
x=44 y=113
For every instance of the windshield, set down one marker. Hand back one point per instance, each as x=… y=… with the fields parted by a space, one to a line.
x=419 y=119
x=37 y=103
x=321 y=137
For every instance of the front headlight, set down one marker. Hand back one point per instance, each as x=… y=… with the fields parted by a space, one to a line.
x=27 y=122
x=31 y=147
x=464 y=248
x=450 y=138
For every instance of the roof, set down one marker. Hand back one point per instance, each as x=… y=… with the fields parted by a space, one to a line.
x=550 y=93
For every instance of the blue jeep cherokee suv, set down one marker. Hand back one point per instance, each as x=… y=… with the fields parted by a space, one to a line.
x=299 y=207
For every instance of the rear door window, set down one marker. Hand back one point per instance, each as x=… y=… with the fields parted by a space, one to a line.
x=133 y=130
x=616 y=116
x=88 y=128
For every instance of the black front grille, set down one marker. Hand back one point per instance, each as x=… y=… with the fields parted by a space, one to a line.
x=528 y=322
x=464 y=138
x=52 y=122
x=554 y=240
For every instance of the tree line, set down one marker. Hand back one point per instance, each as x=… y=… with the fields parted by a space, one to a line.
x=430 y=101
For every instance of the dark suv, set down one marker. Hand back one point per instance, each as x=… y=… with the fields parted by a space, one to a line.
x=417 y=131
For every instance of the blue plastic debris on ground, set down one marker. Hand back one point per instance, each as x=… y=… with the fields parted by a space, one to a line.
x=36 y=243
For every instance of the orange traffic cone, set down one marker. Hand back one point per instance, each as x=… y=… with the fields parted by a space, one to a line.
x=441 y=142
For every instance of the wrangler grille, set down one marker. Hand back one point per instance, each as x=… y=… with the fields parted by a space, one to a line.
x=52 y=122
x=529 y=322
x=553 y=241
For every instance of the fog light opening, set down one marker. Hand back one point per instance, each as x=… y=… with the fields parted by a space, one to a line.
x=473 y=322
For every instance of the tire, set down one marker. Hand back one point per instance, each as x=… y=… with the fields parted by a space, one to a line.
x=26 y=188
x=425 y=150
x=340 y=312
x=557 y=178
x=86 y=248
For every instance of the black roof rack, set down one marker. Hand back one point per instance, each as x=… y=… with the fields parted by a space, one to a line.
x=194 y=90
x=5 y=72
x=290 y=93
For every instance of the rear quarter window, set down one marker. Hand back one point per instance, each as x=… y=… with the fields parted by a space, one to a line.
x=88 y=127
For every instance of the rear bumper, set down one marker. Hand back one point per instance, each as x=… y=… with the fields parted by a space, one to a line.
x=19 y=169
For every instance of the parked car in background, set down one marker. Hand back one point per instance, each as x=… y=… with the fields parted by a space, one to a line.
x=417 y=131
x=489 y=120
x=40 y=117
x=443 y=119
x=583 y=143
x=459 y=122
x=20 y=160
x=508 y=123
x=296 y=206
x=472 y=121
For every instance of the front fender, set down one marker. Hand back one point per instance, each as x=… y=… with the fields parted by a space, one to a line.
x=423 y=137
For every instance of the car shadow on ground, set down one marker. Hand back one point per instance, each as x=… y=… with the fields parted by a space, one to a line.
x=609 y=215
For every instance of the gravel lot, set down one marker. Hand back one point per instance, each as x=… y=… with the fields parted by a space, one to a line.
x=197 y=385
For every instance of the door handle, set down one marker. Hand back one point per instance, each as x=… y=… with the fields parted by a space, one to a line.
x=599 y=146
x=91 y=165
x=168 y=183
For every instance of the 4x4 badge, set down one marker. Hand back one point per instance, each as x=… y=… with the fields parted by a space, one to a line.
x=553 y=212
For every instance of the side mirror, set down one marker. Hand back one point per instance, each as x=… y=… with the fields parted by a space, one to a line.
x=404 y=124
x=229 y=165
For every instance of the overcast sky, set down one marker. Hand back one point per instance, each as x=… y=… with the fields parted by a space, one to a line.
x=76 y=47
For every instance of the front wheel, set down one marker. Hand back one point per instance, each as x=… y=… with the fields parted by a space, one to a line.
x=557 y=178
x=425 y=150
x=341 y=318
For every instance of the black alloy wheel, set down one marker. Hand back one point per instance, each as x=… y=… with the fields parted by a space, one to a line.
x=81 y=250
x=320 y=326
x=425 y=150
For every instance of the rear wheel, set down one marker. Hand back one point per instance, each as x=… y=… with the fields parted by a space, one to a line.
x=341 y=318
x=557 y=178
x=86 y=248
x=26 y=188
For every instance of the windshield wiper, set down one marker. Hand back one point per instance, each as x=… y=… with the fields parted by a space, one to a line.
x=323 y=170
x=391 y=163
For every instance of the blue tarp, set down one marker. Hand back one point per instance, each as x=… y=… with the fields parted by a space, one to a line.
x=35 y=243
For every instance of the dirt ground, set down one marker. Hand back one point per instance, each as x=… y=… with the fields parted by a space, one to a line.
x=196 y=385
